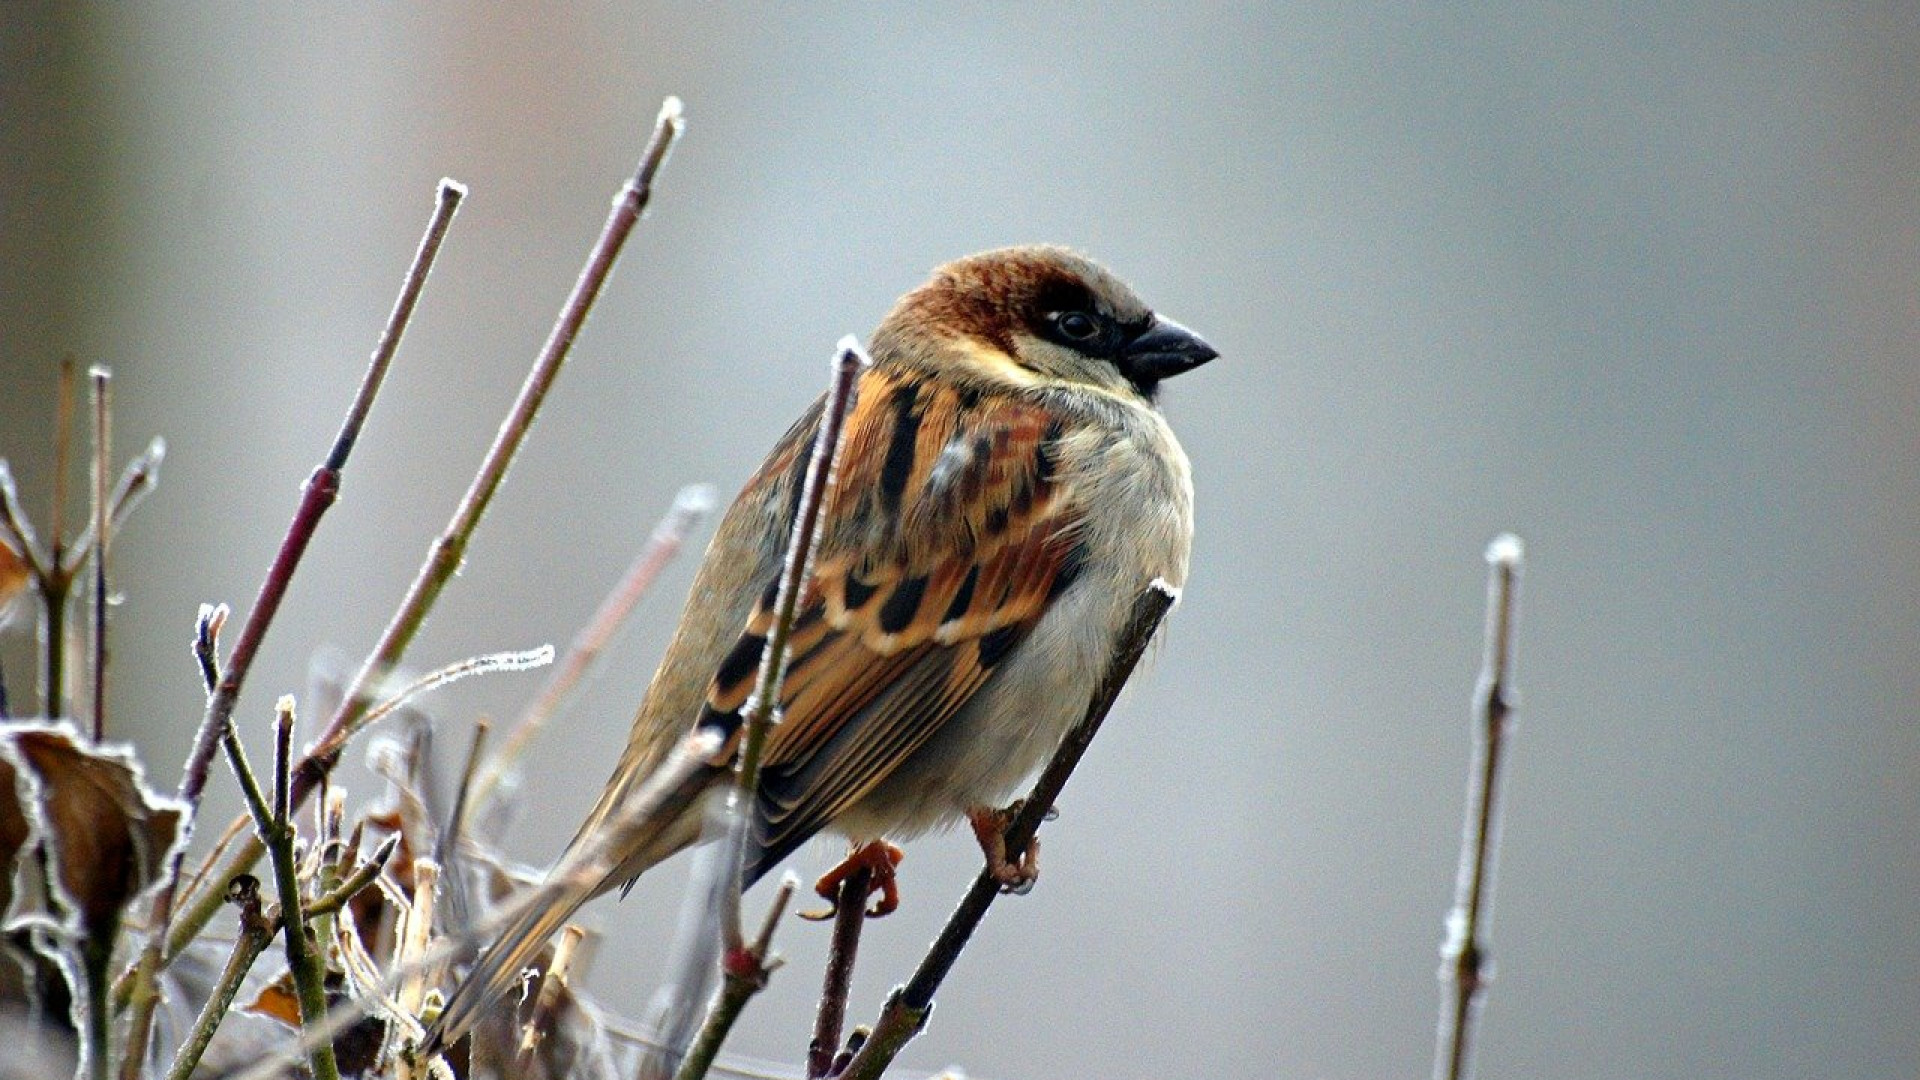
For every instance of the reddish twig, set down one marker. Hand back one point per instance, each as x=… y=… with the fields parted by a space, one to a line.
x=447 y=551
x=849 y=916
x=316 y=497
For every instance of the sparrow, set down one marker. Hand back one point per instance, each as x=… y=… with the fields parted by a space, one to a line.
x=1005 y=488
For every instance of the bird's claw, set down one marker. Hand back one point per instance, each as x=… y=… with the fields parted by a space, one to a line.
x=880 y=861
x=1014 y=875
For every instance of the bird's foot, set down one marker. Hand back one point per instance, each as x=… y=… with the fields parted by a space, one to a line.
x=1015 y=875
x=879 y=861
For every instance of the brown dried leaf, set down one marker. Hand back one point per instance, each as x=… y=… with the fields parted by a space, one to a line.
x=14 y=577
x=106 y=835
x=277 y=1001
x=13 y=832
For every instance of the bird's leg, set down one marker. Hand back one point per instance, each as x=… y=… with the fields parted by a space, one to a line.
x=878 y=860
x=990 y=828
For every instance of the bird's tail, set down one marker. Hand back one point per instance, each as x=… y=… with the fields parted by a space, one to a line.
x=652 y=823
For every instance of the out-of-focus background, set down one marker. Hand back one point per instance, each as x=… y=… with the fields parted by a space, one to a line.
x=1637 y=282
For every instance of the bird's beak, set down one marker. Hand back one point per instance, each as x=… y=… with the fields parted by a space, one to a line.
x=1163 y=350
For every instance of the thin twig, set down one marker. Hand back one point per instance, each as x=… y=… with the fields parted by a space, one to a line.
x=849 y=916
x=516 y=660
x=315 y=498
x=548 y=999
x=138 y=985
x=55 y=586
x=906 y=1009
x=1463 y=953
x=303 y=961
x=62 y=454
x=848 y=361
x=136 y=480
x=256 y=933
x=350 y=886
x=744 y=974
x=102 y=453
x=690 y=506
x=14 y=519
x=445 y=845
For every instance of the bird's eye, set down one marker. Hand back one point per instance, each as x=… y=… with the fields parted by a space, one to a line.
x=1077 y=325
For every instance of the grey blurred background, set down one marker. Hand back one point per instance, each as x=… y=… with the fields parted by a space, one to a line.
x=1637 y=282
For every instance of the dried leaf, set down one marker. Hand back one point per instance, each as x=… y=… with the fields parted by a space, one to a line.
x=277 y=1001
x=14 y=578
x=13 y=833
x=106 y=836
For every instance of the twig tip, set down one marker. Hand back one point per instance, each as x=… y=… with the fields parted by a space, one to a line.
x=451 y=190
x=673 y=112
x=1506 y=552
x=849 y=351
x=696 y=499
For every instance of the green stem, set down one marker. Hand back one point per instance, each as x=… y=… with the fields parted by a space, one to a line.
x=96 y=1042
x=256 y=933
x=746 y=971
x=309 y=975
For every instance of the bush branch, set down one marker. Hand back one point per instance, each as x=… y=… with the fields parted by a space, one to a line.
x=303 y=961
x=1463 y=953
x=256 y=933
x=744 y=972
x=849 y=916
x=102 y=453
x=315 y=498
x=690 y=506
x=907 y=1008
x=446 y=552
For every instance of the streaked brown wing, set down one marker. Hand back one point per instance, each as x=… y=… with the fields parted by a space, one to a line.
x=947 y=533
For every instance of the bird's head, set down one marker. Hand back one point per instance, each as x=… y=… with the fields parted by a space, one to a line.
x=1039 y=315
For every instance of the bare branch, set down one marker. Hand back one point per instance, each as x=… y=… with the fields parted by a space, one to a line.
x=907 y=1008
x=446 y=553
x=101 y=381
x=1463 y=953
x=315 y=499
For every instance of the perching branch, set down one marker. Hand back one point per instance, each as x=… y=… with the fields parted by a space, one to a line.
x=744 y=968
x=1463 y=953
x=849 y=360
x=849 y=917
x=907 y=1007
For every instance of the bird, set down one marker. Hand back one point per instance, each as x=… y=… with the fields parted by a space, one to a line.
x=1005 y=488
